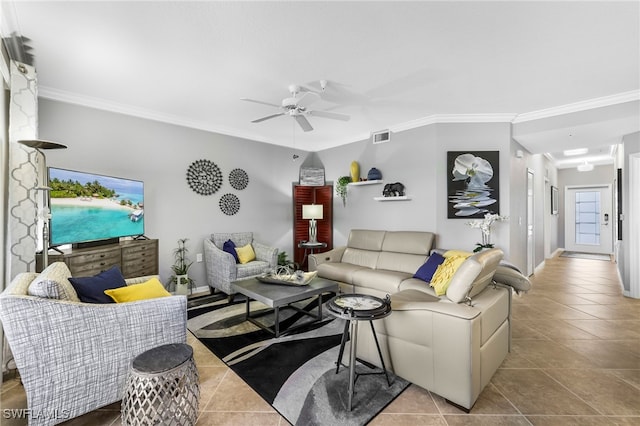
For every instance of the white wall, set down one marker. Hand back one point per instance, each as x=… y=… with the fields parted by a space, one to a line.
x=417 y=158
x=631 y=147
x=545 y=175
x=159 y=154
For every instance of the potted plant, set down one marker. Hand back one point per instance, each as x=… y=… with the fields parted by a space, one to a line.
x=180 y=268
x=485 y=226
x=283 y=261
x=341 y=188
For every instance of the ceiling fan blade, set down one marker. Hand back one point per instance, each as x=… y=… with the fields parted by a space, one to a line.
x=307 y=98
x=268 y=117
x=332 y=115
x=260 y=102
x=303 y=122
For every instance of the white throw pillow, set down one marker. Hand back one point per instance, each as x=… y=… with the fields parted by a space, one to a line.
x=53 y=283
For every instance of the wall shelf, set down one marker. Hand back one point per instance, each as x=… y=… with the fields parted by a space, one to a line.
x=365 y=182
x=403 y=198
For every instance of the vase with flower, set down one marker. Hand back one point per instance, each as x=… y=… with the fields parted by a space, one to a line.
x=485 y=228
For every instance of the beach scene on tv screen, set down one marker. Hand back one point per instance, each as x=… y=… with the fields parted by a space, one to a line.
x=89 y=207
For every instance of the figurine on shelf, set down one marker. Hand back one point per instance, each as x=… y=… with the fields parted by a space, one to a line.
x=393 y=190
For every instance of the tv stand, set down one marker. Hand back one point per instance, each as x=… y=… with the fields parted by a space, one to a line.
x=135 y=258
x=140 y=237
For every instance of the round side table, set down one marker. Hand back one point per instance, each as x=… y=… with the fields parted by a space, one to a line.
x=354 y=308
x=309 y=249
x=162 y=387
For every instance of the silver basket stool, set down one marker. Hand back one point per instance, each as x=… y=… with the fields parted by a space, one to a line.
x=162 y=388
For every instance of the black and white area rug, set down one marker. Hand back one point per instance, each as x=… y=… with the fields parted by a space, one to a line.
x=590 y=256
x=295 y=372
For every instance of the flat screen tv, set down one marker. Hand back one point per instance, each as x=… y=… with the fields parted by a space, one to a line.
x=87 y=207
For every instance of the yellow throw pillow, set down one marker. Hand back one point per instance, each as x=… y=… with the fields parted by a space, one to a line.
x=246 y=254
x=443 y=275
x=146 y=290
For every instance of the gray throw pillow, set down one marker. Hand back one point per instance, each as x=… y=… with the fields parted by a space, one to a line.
x=48 y=289
x=59 y=273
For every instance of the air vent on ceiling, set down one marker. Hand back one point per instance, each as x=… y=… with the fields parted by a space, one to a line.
x=381 y=136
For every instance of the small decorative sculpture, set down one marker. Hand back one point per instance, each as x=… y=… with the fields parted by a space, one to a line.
x=393 y=190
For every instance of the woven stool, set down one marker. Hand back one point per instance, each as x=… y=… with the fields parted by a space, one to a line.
x=162 y=388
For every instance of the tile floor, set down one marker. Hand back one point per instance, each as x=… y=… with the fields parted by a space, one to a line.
x=575 y=361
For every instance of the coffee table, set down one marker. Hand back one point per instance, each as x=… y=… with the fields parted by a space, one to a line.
x=278 y=297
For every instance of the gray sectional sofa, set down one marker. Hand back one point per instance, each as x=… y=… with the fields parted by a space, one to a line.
x=450 y=344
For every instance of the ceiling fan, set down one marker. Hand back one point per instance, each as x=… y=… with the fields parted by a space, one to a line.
x=297 y=106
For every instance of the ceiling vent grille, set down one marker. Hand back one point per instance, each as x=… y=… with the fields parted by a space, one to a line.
x=381 y=136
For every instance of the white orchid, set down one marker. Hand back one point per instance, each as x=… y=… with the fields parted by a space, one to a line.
x=485 y=227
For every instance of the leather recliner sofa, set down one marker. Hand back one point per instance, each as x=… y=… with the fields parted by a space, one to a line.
x=450 y=344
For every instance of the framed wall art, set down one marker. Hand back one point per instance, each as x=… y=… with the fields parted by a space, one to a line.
x=473 y=184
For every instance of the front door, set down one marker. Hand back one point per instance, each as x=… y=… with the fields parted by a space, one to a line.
x=588 y=220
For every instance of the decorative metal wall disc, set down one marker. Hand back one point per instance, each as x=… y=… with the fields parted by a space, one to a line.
x=229 y=204
x=204 y=177
x=238 y=179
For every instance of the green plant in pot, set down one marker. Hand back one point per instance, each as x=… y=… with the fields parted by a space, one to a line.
x=341 y=188
x=180 y=268
x=283 y=261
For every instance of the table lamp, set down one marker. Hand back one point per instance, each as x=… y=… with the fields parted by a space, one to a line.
x=312 y=212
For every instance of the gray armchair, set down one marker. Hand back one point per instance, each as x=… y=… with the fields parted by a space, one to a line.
x=221 y=266
x=74 y=357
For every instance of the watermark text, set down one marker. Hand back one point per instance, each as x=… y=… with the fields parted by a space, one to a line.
x=27 y=413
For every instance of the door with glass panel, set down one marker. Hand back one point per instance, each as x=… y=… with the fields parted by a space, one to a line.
x=588 y=221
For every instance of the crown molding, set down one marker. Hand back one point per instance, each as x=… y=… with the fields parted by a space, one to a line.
x=101 y=104
x=620 y=98
x=453 y=118
x=97 y=103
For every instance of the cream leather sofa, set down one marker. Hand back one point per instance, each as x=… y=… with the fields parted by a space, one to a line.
x=452 y=344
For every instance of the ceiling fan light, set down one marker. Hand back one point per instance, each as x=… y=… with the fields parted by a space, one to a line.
x=586 y=167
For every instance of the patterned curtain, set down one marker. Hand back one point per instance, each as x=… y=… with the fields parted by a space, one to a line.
x=20 y=174
x=23 y=170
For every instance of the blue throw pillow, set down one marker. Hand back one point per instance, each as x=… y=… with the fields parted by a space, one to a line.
x=91 y=289
x=230 y=247
x=426 y=271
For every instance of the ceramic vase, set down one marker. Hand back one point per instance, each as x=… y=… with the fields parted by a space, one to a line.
x=374 y=174
x=355 y=171
x=182 y=284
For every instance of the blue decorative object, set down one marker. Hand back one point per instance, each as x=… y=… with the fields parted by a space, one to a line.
x=91 y=289
x=426 y=271
x=230 y=247
x=374 y=174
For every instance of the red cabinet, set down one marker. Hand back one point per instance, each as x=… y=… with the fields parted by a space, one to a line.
x=312 y=195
